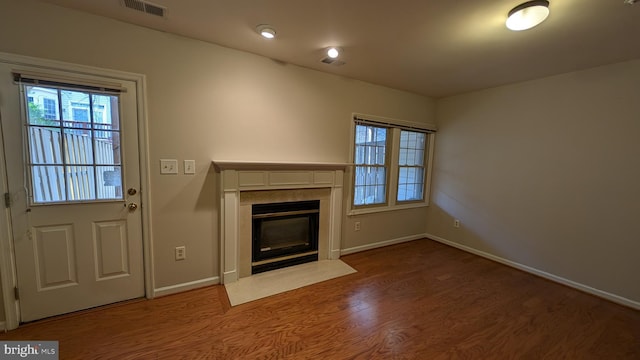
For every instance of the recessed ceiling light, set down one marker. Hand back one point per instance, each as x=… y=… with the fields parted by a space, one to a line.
x=527 y=15
x=266 y=31
x=333 y=52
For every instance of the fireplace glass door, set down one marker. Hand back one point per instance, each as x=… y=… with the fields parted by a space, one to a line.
x=284 y=234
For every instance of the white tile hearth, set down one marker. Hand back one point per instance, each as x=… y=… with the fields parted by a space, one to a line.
x=278 y=281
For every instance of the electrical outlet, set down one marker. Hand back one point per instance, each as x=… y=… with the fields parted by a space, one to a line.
x=168 y=166
x=181 y=252
x=456 y=223
x=189 y=166
x=356 y=226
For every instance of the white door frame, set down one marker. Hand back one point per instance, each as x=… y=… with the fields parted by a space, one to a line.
x=7 y=256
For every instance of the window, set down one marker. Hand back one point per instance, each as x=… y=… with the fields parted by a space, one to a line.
x=411 y=166
x=80 y=114
x=371 y=165
x=50 y=108
x=391 y=164
x=73 y=157
x=80 y=111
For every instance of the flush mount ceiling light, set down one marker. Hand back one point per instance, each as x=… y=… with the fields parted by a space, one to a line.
x=527 y=15
x=333 y=52
x=332 y=56
x=266 y=31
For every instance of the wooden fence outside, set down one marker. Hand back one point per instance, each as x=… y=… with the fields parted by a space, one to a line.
x=85 y=178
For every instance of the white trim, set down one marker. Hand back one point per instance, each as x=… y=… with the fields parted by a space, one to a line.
x=7 y=260
x=7 y=257
x=145 y=186
x=381 y=244
x=230 y=276
x=178 y=288
x=599 y=293
x=221 y=165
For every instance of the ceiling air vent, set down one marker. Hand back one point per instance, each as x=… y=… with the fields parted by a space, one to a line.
x=145 y=7
x=332 y=61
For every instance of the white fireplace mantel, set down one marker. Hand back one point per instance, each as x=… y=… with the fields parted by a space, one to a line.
x=239 y=176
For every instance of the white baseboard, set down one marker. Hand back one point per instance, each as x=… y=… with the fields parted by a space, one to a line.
x=174 y=289
x=381 y=244
x=229 y=277
x=599 y=293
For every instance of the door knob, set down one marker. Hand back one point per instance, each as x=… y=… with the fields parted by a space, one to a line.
x=132 y=191
x=133 y=206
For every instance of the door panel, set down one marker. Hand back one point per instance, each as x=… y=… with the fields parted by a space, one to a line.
x=55 y=256
x=112 y=250
x=69 y=154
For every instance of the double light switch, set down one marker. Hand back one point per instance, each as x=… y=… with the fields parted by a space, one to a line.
x=170 y=166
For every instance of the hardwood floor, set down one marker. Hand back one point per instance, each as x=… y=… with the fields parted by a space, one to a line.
x=416 y=300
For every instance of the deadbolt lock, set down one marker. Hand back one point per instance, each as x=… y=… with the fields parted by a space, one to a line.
x=132 y=191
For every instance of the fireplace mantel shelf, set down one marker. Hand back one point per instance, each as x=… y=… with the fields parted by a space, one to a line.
x=277 y=165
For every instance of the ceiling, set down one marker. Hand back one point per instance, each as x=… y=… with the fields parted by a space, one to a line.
x=435 y=48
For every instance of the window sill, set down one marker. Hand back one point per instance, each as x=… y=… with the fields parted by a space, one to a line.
x=371 y=210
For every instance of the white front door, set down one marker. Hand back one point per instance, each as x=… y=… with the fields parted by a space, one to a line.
x=72 y=160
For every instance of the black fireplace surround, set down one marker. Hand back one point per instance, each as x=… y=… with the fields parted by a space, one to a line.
x=284 y=234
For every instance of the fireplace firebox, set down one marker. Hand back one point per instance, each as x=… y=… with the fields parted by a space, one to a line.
x=284 y=234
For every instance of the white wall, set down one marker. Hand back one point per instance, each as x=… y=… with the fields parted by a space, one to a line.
x=546 y=173
x=208 y=102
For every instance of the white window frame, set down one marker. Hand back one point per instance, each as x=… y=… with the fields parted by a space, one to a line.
x=423 y=167
x=386 y=166
x=393 y=148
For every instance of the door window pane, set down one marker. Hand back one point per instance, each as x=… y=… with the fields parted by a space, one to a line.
x=107 y=147
x=78 y=147
x=45 y=145
x=109 y=182
x=48 y=184
x=84 y=163
x=42 y=106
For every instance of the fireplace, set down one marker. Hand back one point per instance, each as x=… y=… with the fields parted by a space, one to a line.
x=284 y=234
x=244 y=184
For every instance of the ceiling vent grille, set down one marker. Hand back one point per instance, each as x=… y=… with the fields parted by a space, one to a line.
x=146 y=7
x=332 y=61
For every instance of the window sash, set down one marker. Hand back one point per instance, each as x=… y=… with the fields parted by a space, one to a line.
x=411 y=166
x=371 y=173
x=370 y=186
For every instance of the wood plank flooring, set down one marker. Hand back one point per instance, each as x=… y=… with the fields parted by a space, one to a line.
x=416 y=300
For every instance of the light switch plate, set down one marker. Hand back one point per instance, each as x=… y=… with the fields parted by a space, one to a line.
x=168 y=166
x=189 y=166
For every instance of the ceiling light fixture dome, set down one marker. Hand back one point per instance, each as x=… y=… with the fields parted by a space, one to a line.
x=266 y=31
x=333 y=52
x=527 y=15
